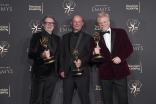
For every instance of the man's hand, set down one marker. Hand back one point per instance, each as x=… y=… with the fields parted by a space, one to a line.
x=96 y=50
x=116 y=60
x=78 y=63
x=46 y=53
x=62 y=75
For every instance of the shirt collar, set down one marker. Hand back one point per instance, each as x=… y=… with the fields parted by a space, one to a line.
x=109 y=29
x=77 y=33
x=47 y=34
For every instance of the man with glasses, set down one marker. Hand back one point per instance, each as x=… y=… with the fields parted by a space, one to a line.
x=44 y=74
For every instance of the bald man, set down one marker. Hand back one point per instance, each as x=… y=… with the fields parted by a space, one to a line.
x=70 y=41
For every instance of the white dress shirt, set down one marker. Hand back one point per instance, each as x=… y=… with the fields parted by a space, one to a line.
x=107 y=39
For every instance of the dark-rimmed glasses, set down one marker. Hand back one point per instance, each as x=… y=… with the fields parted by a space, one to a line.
x=49 y=23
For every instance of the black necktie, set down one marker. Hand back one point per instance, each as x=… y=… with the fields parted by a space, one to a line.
x=103 y=32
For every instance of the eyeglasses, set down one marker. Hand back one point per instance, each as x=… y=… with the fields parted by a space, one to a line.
x=49 y=23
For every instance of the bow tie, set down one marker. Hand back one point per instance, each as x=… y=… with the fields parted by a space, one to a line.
x=103 y=32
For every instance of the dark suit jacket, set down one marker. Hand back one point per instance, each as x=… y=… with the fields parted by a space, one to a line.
x=66 y=55
x=35 y=52
x=121 y=47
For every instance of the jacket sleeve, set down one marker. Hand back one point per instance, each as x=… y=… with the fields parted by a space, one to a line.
x=34 y=53
x=92 y=46
x=61 y=56
x=57 y=54
x=127 y=48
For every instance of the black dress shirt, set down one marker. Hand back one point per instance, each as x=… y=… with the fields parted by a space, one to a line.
x=73 y=40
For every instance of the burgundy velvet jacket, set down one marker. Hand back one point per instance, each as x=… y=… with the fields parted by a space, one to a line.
x=121 y=47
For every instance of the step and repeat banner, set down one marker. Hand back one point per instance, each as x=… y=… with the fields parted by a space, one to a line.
x=19 y=19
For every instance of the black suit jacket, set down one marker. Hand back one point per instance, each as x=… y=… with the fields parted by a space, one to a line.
x=66 y=55
x=35 y=52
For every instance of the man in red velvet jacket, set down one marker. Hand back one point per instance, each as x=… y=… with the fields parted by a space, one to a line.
x=116 y=47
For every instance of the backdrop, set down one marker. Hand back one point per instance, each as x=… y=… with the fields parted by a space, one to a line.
x=19 y=19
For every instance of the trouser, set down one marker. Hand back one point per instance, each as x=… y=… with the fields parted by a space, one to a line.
x=81 y=83
x=120 y=87
x=43 y=89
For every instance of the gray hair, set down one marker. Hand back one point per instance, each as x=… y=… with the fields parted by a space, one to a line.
x=102 y=14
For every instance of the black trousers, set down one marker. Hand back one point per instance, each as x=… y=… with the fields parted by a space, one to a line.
x=121 y=90
x=81 y=83
x=42 y=89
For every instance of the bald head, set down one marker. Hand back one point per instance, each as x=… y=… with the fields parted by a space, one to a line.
x=77 y=23
x=77 y=16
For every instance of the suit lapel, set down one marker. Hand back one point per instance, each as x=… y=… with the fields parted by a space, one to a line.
x=54 y=44
x=112 y=39
x=80 y=38
x=81 y=41
x=52 y=47
x=102 y=39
